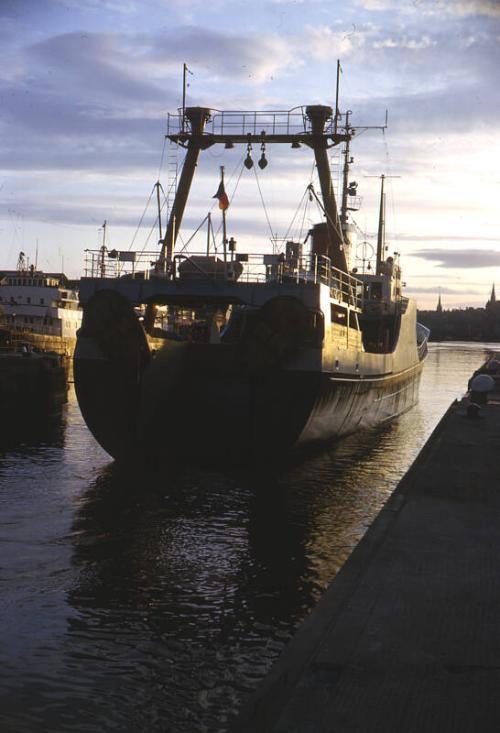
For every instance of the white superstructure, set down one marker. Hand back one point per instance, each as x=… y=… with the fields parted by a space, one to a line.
x=39 y=302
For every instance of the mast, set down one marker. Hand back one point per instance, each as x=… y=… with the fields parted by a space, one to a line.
x=197 y=117
x=224 y=223
x=102 y=266
x=345 y=179
x=337 y=111
x=381 y=223
x=318 y=115
x=381 y=227
x=158 y=186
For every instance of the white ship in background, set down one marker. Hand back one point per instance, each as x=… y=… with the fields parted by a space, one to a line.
x=41 y=306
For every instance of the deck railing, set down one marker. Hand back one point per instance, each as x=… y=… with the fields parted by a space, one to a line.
x=241 y=268
x=256 y=123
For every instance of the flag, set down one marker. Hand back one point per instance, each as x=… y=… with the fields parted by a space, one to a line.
x=222 y=196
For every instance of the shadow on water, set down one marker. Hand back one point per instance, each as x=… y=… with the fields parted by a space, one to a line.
x=190 y=584
x=34 y=434
x=157 y=601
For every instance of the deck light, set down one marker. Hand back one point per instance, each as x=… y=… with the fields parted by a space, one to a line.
x=296 y=144
x=229 y=145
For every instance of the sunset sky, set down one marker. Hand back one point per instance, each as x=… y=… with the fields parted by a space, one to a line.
x=86 y=84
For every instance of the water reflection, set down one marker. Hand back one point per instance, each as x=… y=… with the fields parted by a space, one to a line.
x=209 y=574
x=34 y=434
x=157 y=601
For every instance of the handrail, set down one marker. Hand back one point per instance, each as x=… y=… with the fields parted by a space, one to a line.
x=250 y=122
x=256 y=268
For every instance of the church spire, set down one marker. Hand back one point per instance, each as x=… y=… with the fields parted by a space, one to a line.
x=439 y=307
x=493 y=298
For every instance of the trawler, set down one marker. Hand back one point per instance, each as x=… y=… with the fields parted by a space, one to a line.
x=246 y=355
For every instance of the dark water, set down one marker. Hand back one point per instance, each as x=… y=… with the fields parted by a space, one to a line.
x=157 y=603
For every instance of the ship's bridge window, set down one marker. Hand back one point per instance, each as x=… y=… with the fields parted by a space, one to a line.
x=339 y=315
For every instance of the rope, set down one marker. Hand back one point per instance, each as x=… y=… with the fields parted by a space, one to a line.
x=194 y=234
x=300 y=204
x=391 y=189
x=154 y=226
x=263 y=203
x=304 y=195
x=142 y=218
x=162 y=156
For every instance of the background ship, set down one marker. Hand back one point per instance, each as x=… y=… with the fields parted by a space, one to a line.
x=41 y=307
x=261 y=352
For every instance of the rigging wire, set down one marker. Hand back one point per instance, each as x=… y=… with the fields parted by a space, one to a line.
x=153 y=227
x=193 y=234
x=263 y=204
x=162 y=156
x=311 y=177
x=141 y=219
x=391 y=189
x=231 y=176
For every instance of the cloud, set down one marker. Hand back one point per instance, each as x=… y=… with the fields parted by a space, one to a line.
x=325 y=42
x=443 y=290
x=445 y=238
x=412 y=44
x=460 y=258
x=489 y=8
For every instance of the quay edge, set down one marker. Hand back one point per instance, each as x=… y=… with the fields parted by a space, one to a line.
x=405 y=637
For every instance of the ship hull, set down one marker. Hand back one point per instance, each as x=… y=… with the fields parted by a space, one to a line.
x=202 y=406
x=248 y=400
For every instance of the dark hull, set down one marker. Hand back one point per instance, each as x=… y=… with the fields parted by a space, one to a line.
x=201 y=406
x=249 y=400
x=347 y=404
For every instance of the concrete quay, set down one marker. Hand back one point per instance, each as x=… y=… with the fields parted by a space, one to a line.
x=407 y=637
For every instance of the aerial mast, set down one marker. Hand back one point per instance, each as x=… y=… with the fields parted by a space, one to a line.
x=102 y=267
x=381 y=223
x=345 y=181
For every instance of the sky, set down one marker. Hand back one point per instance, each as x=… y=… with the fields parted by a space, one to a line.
x=86 y=86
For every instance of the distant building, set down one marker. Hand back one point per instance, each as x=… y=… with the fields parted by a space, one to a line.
x=439 y=307
x=493 y=298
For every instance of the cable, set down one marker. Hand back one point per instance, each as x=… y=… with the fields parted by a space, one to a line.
x=162 y=156
x=141 y=219
x=263 y=203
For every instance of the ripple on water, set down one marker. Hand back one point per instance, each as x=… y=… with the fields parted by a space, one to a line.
x=158 y=602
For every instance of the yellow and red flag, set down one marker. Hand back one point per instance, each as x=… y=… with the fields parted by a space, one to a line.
x=222 y=196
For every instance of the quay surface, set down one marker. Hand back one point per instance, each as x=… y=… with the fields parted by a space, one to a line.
x=407 y=637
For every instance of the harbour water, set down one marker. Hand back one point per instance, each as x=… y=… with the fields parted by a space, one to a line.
x=157 y=602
